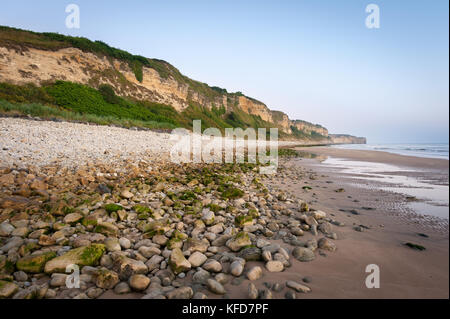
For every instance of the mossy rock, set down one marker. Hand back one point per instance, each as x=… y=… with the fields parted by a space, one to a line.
x=243 y=220
x=141 y=209
x=239 y=241
x=110 y=208
x=90 y=220
x=35 y=263
x=179 y=235
x=143 y=216
x=7 y=289
x=6 y=266
x=174 y=243
x=214 y=208
x=107 y=229
x=82 y=256
x=27 y=248
x=177 y=262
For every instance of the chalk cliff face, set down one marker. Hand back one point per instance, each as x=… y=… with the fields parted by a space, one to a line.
x=23 y=64
x=347 y=139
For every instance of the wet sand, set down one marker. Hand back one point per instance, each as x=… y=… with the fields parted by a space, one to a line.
x=404 y=272
x=381 y=157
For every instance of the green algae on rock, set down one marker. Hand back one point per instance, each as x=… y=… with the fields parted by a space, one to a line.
x=82 y=256
x=35 y=263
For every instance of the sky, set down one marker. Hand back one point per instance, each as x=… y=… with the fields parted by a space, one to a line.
x=313 y=59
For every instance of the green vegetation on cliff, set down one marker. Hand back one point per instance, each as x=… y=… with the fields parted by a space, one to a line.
x=99 y=103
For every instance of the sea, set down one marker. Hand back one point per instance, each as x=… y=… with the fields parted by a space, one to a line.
x=433 y=200
x=427 y=150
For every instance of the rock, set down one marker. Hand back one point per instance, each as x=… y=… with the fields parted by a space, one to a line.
x=93 y=292
x=222 y=278
x=122 y=288
x=237 y=267
x=112 y=244
x=7 y=289
x=212 y=266
x=238 y=241
x=181 y=293
x=15 y=202
x=139 y=282
x=160 y=240
x=45 y=240
x=208 y=216
x=201 y=276
x=38 y=185
x=73 y=218
x=307 y=279
x=193 y=244
x=82 y=256
x=107 y=229
x=274 y=266
x=58 y=280
x=125 y=243
x=326 y=244
x=325 y=227
x=215 y=287
x=310 y=220
x=148 y=252
x=252 y=291
x=7 y=179
x=127 y=267
x=297 y=287
x=35 y=263
x=20 y=231
x=126 y=194
x=297 y=231
x=199 y=295
x=178 y=262
x=260 y=243
x=303 y=254
x=250 y=254
x=265 y=294
x=106 y=279
x=318 y=214
x=6 y=229
x=12 y=243
x=254 y=273
x=103 y=189
x=197 y=259
x=20 y=276
x=290 y=295
x=266 y=255
x=154 y=262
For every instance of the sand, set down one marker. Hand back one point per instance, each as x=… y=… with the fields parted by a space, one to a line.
x=405 y=273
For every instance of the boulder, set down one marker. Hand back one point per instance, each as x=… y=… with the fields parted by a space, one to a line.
x=82 y=256
x=35 y=263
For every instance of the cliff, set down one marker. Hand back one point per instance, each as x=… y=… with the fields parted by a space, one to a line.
x=347 y=139
x=42 y=58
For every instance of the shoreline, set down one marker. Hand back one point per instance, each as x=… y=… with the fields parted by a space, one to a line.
x=380 y=157
x=385 y=224
x=125 y=194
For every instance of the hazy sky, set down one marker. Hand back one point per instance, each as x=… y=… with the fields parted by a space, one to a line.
x=313 y=59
